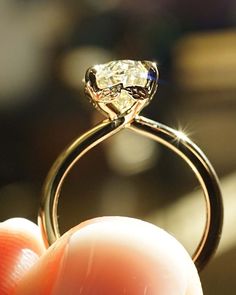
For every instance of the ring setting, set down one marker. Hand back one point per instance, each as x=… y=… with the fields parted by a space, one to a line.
x=122 y=87
x=120 y=90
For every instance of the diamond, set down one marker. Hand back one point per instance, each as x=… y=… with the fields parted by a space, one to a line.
x=116 y=87
x=127 y=72
x=124 y=102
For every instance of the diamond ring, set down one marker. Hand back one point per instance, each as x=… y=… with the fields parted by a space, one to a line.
x=120 y=90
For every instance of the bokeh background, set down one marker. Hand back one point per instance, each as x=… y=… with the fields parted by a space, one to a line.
x=45 y=48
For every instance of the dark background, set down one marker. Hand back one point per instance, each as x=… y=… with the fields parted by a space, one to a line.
x=45 y=48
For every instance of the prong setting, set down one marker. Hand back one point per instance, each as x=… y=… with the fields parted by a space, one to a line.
x=123 y=87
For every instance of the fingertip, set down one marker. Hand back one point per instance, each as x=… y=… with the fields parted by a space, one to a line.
x=20 y=247
x=133 y=255
x=25 y=229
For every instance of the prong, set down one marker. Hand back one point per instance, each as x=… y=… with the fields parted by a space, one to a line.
x=90 y=77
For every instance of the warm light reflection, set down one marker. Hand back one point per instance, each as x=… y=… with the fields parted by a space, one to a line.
x=186 y=129
x=181 y=135
x=26 y=259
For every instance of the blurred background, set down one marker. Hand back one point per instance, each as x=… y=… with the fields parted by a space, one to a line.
x=45 y=48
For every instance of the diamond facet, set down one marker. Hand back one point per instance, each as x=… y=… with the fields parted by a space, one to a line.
x=127 y=72
x=119 y=86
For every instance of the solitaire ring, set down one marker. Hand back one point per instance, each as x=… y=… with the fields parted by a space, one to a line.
x=120 y=90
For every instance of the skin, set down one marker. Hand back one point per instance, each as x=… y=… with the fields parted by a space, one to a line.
x=103 y=256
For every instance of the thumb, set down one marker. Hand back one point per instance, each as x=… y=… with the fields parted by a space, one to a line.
x=113 y=255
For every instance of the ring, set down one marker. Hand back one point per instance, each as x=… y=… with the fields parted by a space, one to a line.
x=120 y=90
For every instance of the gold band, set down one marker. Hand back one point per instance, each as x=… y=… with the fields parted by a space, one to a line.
x=172 y=139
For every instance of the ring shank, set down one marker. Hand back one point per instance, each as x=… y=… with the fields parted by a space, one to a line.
x=167 y=136
x=190 y=153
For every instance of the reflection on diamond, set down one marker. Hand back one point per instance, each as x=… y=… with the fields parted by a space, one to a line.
x=127 y=72
x=113 y=77
x=123 y=102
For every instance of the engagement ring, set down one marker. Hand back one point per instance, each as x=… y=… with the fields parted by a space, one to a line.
x=120 y=90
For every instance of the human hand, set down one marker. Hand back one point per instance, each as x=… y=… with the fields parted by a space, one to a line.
x=103 y=256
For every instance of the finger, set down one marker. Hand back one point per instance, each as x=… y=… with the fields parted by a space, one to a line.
x=20 y=247
x=113 y=255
